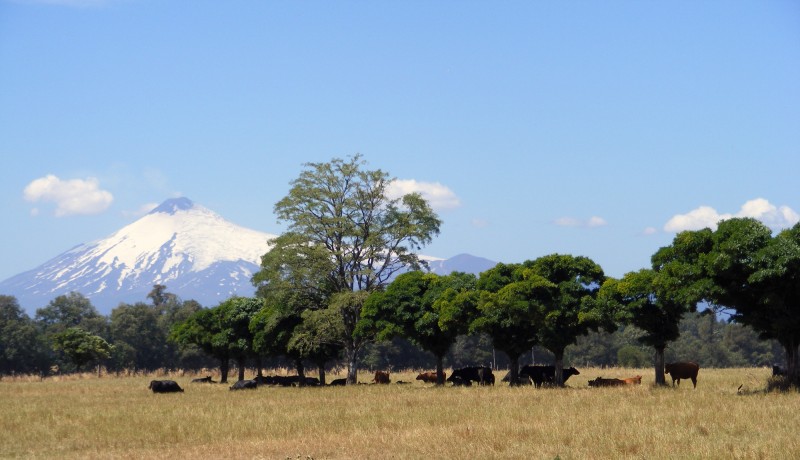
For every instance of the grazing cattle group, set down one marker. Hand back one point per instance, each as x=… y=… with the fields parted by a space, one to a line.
x=465 y=376
x=680 y=371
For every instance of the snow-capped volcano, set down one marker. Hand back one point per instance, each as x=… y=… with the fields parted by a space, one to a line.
x=192 y=250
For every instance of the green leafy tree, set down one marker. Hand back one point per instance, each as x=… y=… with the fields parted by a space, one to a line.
x=421 y=307
x=343 y=209
x=293 y=279
x=758 y=275
x=512 y=299
x=236 y=314
x=204 y=329
x=71 y=310
x=22 y=349
x=641 y=306
x=571 y=311
x=136 y=331
x=656 y=300
x=81 y=347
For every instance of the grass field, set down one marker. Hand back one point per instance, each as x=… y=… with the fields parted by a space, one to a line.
x=109 y=417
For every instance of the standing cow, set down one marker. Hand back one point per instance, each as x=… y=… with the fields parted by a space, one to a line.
x=481 y=374
x=381 y=377
x=680 y=371
x=546 y=374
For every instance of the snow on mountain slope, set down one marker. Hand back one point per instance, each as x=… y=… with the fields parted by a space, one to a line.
x=192 y=250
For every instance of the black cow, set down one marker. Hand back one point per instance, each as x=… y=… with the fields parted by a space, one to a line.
x=521 y=379
x=165 y=386
x=545 y=374
x=244 y=385
x=261 y=380
x=459 y=382
x=203 y=380
x=338 y=382
x=481 y=374
x=290 y=381
x=777 y=370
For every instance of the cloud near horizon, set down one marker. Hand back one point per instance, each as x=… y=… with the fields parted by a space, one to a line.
x=439 y=196
x=592 y=222
x=72 y=197
x=772 y=216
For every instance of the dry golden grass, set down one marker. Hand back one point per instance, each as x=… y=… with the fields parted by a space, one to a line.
x=87 y=417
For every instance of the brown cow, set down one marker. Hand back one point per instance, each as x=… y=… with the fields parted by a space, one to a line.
x=430 y=377
x=633 y=380
x=381 y=377
x=601 y=382
x=680 y=371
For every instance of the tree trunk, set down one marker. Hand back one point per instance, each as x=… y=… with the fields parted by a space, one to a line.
x=558 y=371
x=321 y=367
x=259 y=368
x=352 y=364
x=440 y=370
x=792 y=351
x=301 y=372
x=659 y=365
x=241 y=363
x=224 y=367
x=513 y=373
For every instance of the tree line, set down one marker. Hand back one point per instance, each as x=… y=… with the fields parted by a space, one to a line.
x=346 y=274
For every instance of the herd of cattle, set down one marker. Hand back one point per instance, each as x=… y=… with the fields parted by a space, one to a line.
x=482 y=375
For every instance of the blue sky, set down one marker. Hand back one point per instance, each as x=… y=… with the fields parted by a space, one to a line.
x=588 y=128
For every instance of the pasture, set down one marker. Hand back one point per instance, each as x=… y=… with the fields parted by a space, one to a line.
x=109 y=417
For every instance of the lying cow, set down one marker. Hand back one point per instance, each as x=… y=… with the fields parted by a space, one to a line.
x=430 y=377
x=601 y=382
x=165 y=386
x=203 y=380
x=338 y=382
x=633 y=380
x=381 y=377
x=481 y=374
x=680 y=371
x=545 y=374
x=244 y=385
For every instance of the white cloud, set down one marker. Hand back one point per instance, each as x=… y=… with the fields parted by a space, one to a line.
x=439 y=196
x=143 y=209
x=75 y=196
x=595 y=221
x=649 y=231
x=592 y=222
x=705 y=216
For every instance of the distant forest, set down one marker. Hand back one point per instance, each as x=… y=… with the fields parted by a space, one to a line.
x=138 y=339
